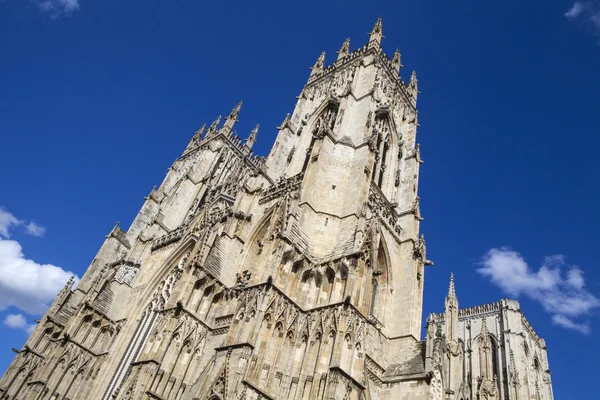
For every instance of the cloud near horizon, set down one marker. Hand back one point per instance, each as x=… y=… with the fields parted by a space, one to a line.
x=558 y=287
x=24 y=283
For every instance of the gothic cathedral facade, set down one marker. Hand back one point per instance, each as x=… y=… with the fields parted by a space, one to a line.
x=295 y=276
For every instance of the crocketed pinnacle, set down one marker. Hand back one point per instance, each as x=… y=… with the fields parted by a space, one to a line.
x=344 y=50
x=451 y=299
x=252 y=137
x=199 y=132
x=214 y=127
x=451 y=289
x=319 y=64
x=413 y=85
x=396 y=60
x=376 y=34
x=232 y=118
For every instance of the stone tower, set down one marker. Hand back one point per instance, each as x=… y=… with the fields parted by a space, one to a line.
x=298 y=276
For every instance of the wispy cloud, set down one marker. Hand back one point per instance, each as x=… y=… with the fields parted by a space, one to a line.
x=18 y=321
x=34 y=229
x=9 y=222
x=58 y=8
x=586 y=14
x=557 y=286
x=575 y=10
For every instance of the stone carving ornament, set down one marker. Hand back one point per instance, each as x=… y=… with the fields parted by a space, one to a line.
x=488 y=389
x=126 y=274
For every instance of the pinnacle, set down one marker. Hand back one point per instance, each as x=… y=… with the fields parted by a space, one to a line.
x=319 y=64
x=377 y=33
x=345 y=49
x=397 y=60
x=235 y=112
x=378 y=27
x=451 y=289
x=252 y=137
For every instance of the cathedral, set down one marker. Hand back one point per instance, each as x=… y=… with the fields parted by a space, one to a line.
x=295 y=276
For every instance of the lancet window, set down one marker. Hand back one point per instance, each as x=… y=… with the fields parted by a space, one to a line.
x=383 y=134
x=487 y=354
x=379 y=285
x=324 y=124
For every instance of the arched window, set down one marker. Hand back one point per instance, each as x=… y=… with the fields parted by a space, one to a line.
x=488 y=363
x=324 y=124
x=379 y=284
x=382 y=130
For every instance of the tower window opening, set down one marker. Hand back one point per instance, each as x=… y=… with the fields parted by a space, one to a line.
x=382 y=130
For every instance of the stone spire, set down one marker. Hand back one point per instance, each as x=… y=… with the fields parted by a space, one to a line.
x=376 y=34
x=214 y=127
x=413 y=87
x=252 y=137
x=232 y=119
x=396 y=61
x=451 y=312
x=319 y=64
x=345 y=50
x=198 y=134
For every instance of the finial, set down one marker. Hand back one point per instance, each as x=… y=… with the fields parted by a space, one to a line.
x=345 y=50
x=235 y=112
x=451 y=298
x=252 y=137
x=376 y=34
x=285 y=122
x=199 y=133
x=396 y=61
x=413 y=87
x=214 y=126
x=232 y=118
x=451 y=290
x=319 y=64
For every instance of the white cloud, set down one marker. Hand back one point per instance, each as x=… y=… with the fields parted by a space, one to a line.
x=567 y=323
x=18 y=321
x=586 y=14
x=575 y=10
x=562 y=294
x=25 y=283
x=8 y=222
x=34 y=229
x=58 y=8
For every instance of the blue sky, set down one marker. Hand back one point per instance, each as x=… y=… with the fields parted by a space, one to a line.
x=100 y=97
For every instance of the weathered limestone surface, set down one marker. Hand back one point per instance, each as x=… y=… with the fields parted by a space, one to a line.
x=298 y=276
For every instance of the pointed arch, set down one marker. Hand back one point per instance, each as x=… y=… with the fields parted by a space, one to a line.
x=323 y=122
x=152 y=300
x=386 y=142
x=381 y=281
x=257 y=240
x=487 y=348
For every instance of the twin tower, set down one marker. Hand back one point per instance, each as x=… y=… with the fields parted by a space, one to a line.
x=298 y=276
